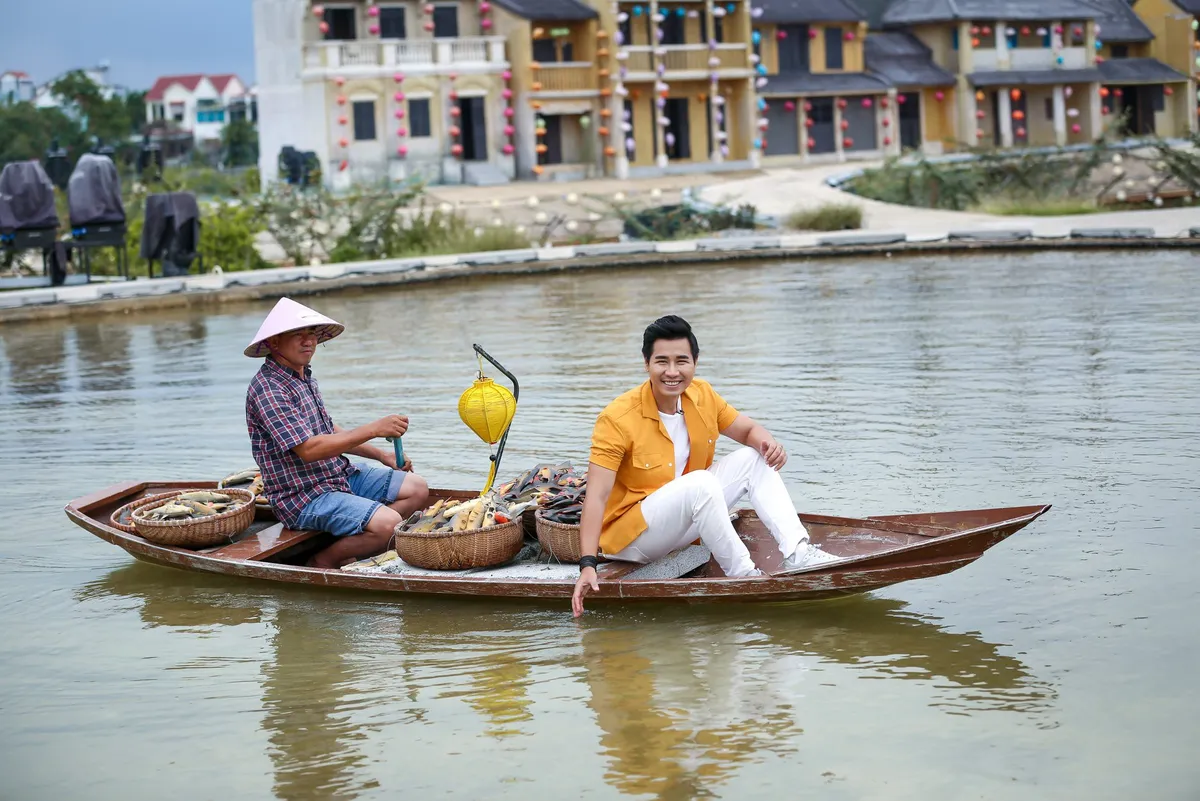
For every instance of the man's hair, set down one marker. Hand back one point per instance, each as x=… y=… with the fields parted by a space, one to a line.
x=669 y=327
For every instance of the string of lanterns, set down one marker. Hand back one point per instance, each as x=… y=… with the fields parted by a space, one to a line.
x=456 y=148
x=539 y=123
x=485 y=19
x=604 y=76
x=342 y=121
x=402 y=130
x=427 y=11
x=618 y=87
x=509 y=112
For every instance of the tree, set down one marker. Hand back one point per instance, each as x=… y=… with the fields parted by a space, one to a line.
x=106 y=118
x=239 y=142
x=26 y=132
x=135 y=107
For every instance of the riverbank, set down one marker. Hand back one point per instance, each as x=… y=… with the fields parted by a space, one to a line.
x=216 y=289
x=887 y=230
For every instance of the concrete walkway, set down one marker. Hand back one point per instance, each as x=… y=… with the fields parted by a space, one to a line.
x=782 y=191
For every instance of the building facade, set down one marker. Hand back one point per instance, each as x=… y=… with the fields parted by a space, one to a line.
x=16 y=87
x=487 y=91
x=201 y=105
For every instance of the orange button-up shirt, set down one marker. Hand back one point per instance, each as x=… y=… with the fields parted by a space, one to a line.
x=631 y=440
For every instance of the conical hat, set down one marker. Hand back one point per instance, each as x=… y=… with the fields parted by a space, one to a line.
x=288 y=315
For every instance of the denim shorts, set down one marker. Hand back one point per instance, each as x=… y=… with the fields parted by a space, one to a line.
x=344 y=514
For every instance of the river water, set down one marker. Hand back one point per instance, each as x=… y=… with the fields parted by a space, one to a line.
x=1062 y=665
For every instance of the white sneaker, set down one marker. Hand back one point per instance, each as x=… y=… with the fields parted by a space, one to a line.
x=804 y=557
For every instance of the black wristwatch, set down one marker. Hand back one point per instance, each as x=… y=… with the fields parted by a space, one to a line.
x=588 y=561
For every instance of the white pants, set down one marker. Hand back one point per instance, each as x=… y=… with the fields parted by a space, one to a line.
x=696 y=506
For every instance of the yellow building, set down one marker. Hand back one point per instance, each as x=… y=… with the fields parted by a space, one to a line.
x=679 y=85
x=559 y=125
x=1056 y=73
x=1175 y=24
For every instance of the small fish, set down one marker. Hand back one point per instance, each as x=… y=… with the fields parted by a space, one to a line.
x=204 y=496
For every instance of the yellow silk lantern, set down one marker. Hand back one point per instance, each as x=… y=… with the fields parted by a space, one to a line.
x=488 y=409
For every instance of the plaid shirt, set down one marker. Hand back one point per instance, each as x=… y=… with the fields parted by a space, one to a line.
x=283 y=410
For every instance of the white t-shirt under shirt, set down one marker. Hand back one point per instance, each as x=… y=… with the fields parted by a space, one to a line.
x=677 y=428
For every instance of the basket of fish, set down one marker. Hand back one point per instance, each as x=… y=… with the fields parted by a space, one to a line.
x=458 y=535
x=558 y=531
x=195 y=518
x=250 y=479
x=542 y=486
x=122 y=518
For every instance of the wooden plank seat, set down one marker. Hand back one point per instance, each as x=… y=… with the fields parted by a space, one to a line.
x=264 y=544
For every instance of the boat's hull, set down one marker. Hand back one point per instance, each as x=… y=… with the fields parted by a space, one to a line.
x=925 y=555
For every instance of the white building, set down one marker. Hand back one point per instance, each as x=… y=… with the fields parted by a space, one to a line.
x=16 y=87
x=199 y=104
x=44 y=97
x=388 y=91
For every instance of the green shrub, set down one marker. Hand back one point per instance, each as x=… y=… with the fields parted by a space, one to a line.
x=227 y=232
x=827 y=217
x=1039 y=207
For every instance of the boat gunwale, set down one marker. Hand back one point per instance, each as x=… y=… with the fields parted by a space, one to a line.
x=818 y=582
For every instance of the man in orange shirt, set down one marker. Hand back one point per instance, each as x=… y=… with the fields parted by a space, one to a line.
x=652 y=486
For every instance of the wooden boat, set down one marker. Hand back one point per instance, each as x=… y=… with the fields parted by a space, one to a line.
x=876 y=551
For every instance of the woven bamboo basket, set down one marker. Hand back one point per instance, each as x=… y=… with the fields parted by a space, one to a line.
x=199 y=532
x=124 y=512
x=448 y=550
x=560 y=539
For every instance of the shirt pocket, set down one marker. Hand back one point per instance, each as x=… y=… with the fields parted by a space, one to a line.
x=646 y=471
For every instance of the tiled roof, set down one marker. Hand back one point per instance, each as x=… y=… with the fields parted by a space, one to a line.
x=1190 y=6
x=824 y=83
x=549 y=10
x=910 y=12
x=189 y=82
x=904 y=60
x=1034 y=77
x=798 y=11
x=220 y=82
x=874 y=10
x=1138 y=70
x=1118 y=22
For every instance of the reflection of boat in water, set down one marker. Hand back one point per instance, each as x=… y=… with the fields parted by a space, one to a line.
x=876 y=552
x=706 y=689
x=687 y=699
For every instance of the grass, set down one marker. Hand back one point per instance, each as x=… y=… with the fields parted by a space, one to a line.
x=827 y=217
x=1039 y=207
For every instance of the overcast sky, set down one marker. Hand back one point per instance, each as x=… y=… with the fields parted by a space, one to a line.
x=140 y=39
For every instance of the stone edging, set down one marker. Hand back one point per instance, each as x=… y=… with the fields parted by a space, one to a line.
x=122 y=297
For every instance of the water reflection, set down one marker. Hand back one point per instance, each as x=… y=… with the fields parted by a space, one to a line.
x=316 y=745
x=685 y=701
x=36 y=358
x=684 y=697
x=179 y=355
x=104 y=365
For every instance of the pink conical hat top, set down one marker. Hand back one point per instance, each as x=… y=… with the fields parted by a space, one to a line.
x=288 y=315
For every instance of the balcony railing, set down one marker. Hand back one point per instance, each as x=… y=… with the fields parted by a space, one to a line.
x=389 y=53
x=1028 y=58
x=688 y=58
x=567 y=76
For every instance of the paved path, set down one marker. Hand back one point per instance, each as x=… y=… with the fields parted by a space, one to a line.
x=782 y=191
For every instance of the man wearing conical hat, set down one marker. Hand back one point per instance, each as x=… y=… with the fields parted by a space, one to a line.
x=302 y=454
